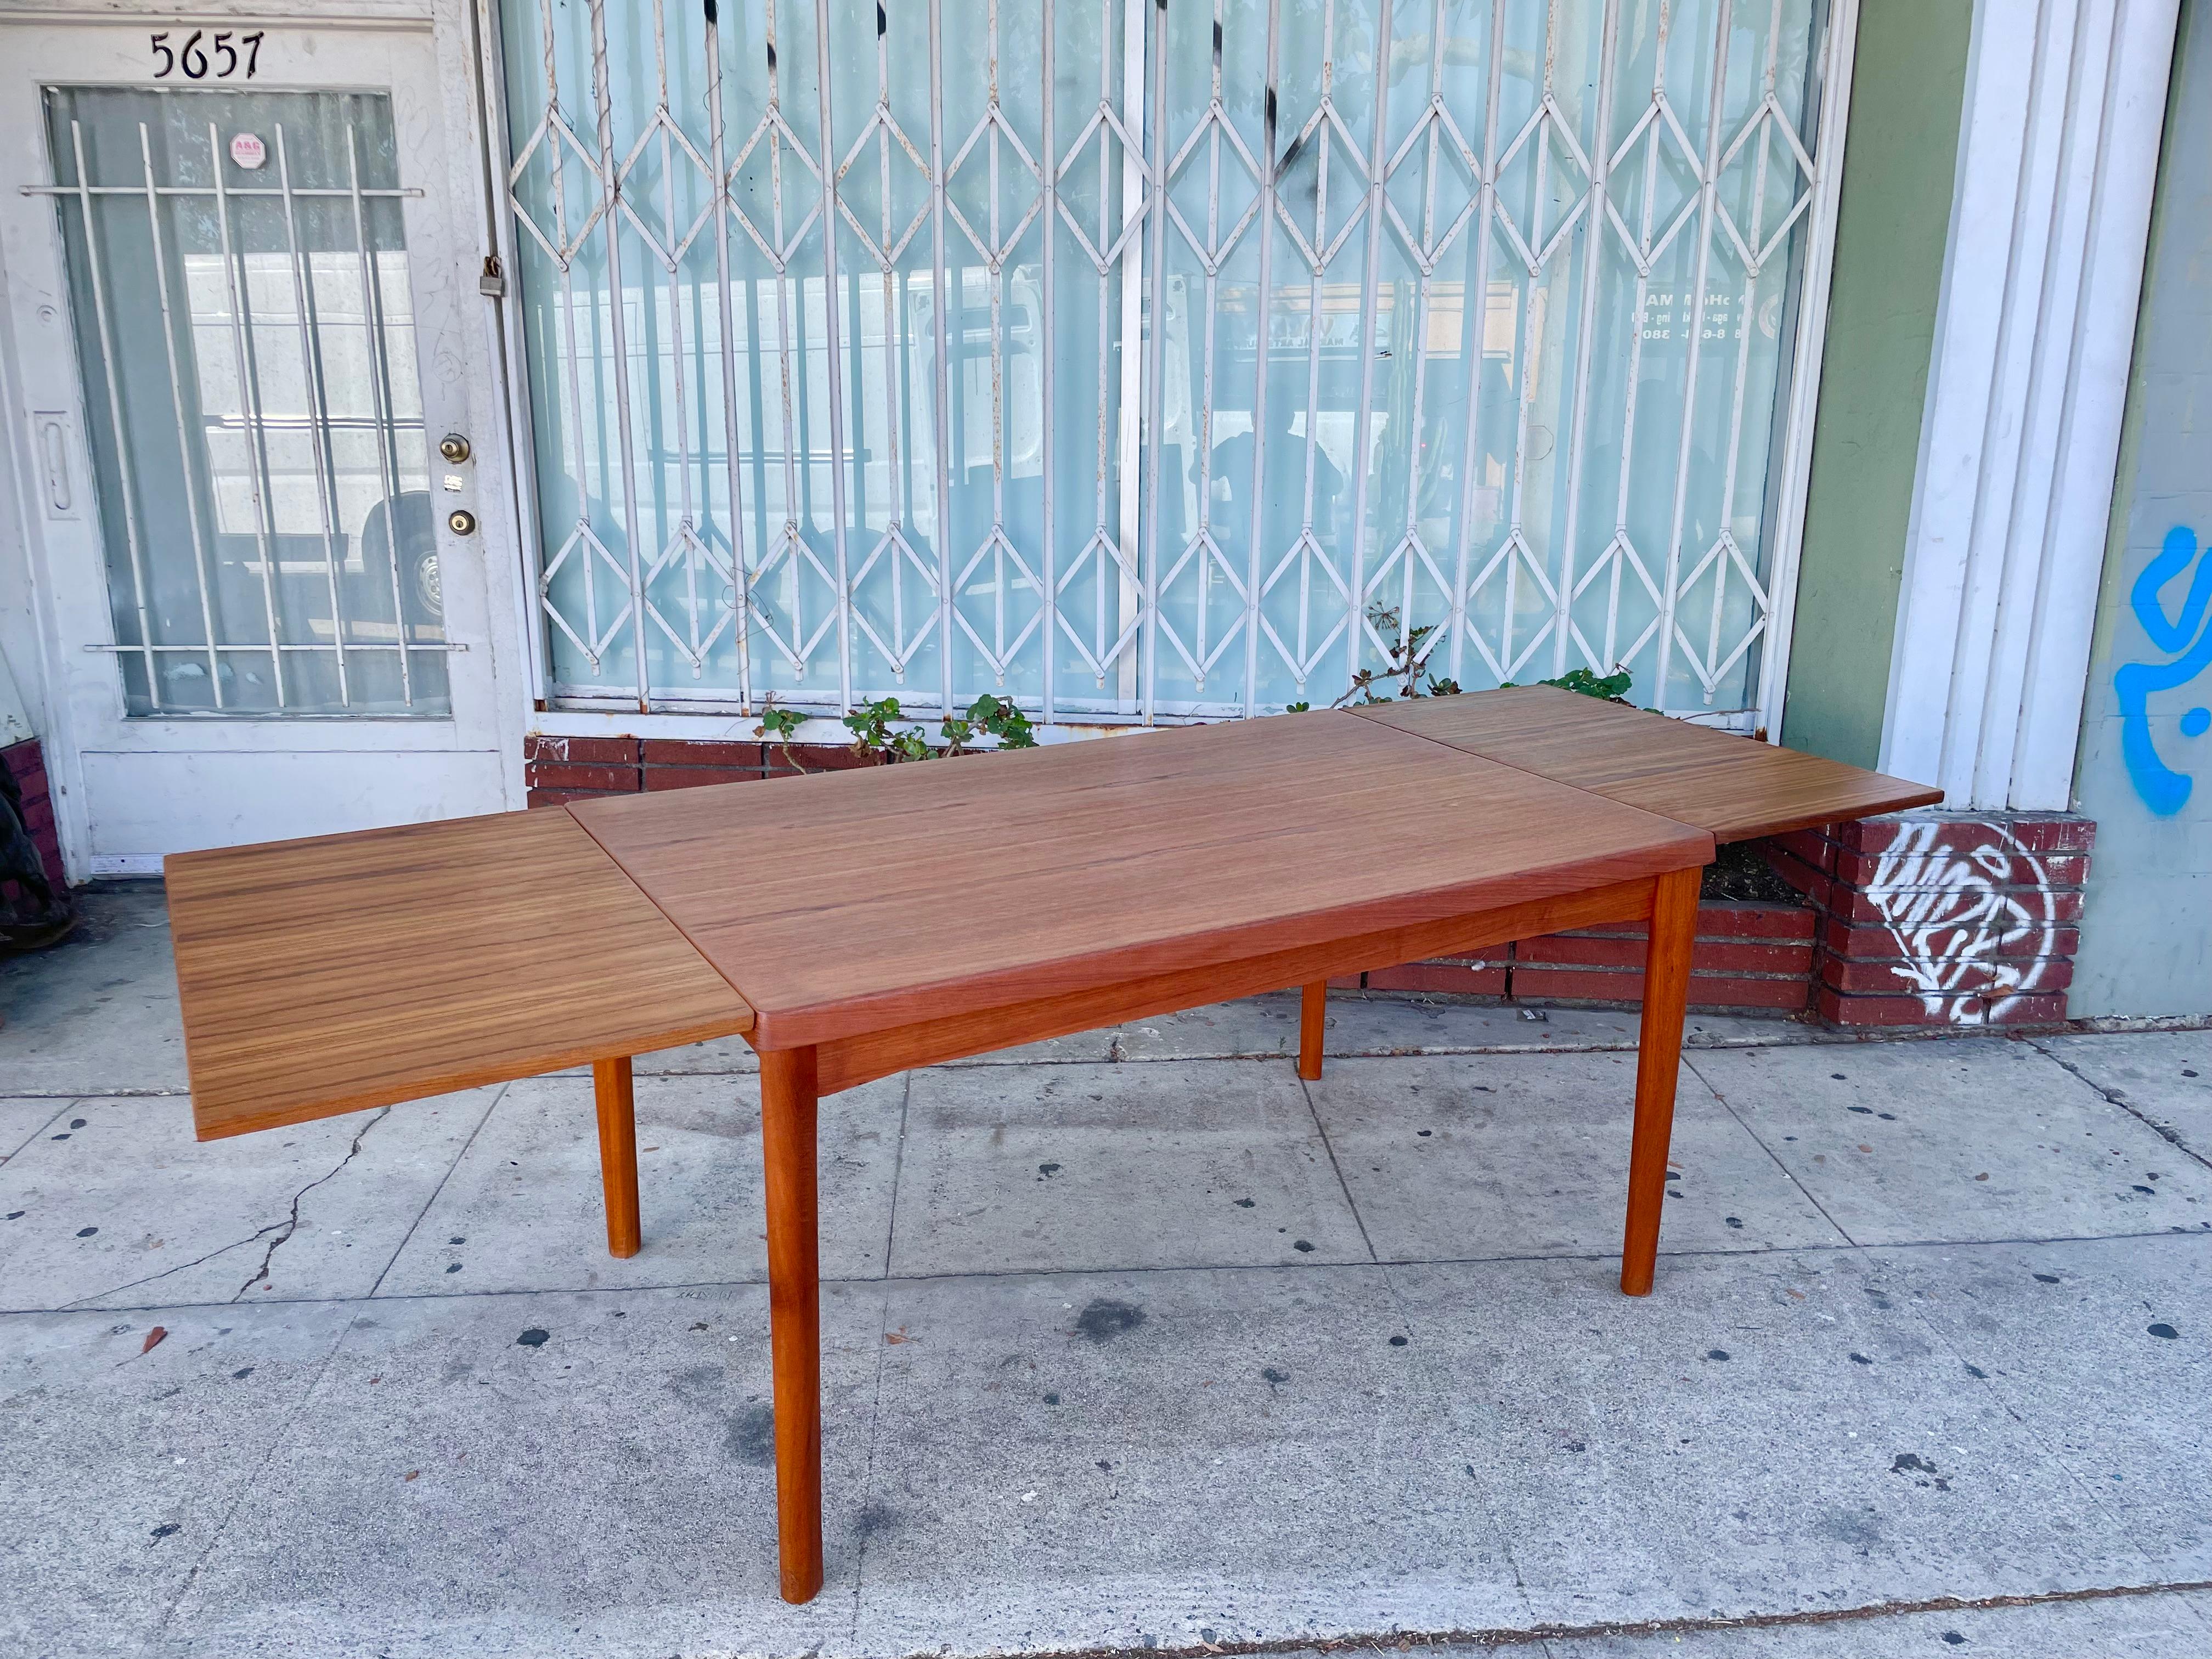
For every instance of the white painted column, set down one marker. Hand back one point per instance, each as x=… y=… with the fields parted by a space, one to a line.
x=2058 y=149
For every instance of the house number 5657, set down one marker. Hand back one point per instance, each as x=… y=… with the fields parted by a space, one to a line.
x=203 y=57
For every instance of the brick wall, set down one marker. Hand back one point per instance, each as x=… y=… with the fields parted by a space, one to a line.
x=557 y=769
x=26 y=764
x=1937 y=918
x=1750 y=957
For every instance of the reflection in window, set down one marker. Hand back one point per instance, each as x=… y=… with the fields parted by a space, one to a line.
x=247 y=344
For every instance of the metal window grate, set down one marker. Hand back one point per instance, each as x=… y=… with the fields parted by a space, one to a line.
x=1164 y=361
x=244 y=337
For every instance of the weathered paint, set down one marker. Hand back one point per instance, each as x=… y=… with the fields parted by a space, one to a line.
x=14 y=716
x=1906 y=92
x=2147 y=926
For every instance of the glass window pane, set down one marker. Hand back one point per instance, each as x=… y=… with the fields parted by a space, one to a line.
x=1157 y=363
x=262 y=473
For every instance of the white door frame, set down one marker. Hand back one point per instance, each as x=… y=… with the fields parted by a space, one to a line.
x=208 y=780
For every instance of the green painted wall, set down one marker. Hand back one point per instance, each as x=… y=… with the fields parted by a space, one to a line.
x=1893 y=221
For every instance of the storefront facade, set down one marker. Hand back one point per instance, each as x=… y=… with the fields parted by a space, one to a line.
x=421 y=410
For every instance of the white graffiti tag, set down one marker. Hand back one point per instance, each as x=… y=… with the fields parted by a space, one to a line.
x=1981 y=922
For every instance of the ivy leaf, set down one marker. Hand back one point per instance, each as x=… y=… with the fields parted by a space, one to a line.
x=779 y=723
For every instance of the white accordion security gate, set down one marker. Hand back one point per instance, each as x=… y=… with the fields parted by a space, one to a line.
x=1164 y=361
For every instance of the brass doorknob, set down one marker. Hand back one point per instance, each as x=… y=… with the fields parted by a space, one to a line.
x=455 y=447
x=461 y=521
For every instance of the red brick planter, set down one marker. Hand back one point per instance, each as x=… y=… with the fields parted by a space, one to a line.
x=25 y=762
x=1935 y=919
x=557 y=769
x=1750 y=957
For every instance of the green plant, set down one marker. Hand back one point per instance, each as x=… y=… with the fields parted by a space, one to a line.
x=871 y=726
x=997 y=717
x=1406 y=666
x=782 y=724
x=1608 y=687
x=885 y=730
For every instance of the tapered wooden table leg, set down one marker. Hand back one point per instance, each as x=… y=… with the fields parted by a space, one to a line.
x=794 y=1301
x=1313 y=1020
x=610 y=1084
x=1659 y=1055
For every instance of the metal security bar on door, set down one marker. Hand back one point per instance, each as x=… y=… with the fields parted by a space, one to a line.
x=237 y=267
x=1156 y=362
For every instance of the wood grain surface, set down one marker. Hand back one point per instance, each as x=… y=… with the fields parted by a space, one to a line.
x=1735 y=787
x=1313 y=1028
x=845 y=902
x=1669 y=944
x=614 y=1091
x=323 y=976
x=790 y=1140
x=850 y=1061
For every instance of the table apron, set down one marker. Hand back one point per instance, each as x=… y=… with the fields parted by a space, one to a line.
x=848 y=1062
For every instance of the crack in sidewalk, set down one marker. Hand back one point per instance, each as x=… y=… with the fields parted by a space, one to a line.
x=247 y=1482
x=2114 y=1097
x=1505 y=1637
x=132 y=1284
x=284 y=1229
x=290 y=1225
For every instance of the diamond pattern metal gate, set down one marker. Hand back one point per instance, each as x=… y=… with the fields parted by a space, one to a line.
x=1162 y=360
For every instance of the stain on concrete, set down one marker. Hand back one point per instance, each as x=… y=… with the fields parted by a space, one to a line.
x=1103 y=1319
x=751 y=1435
x=875 y=1517
x=1911 y=1463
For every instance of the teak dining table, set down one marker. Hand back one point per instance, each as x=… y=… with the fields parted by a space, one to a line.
x=857 y=923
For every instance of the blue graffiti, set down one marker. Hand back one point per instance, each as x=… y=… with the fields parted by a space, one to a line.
x=2164 y=790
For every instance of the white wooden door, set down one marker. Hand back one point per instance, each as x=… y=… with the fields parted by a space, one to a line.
x=240 y=268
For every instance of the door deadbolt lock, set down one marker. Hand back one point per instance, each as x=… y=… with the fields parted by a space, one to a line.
x=455 y=447
x=461 y=521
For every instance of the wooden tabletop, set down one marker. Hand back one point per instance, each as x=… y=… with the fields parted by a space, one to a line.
x=326 y=975
x=323 y=976
x=846 y=901
x=1735 y=787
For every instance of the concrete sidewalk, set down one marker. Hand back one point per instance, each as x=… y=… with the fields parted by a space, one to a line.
x=1132 y=1341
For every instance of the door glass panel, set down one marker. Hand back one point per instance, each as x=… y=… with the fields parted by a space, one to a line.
x=1143 y=361
x=238 y=283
